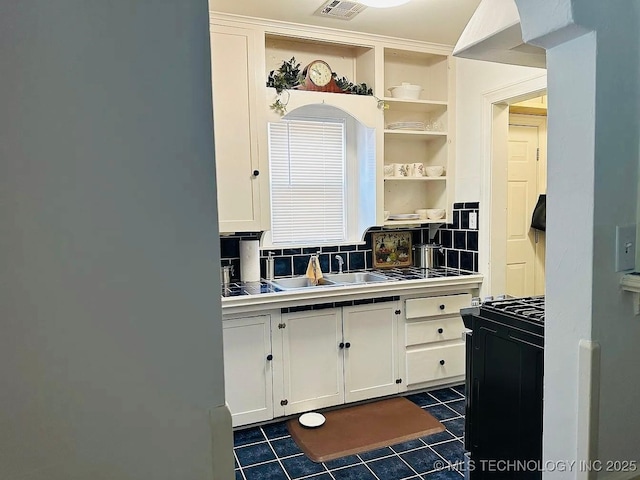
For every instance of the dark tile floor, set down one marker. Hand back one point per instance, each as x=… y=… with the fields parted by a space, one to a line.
x=269 y=453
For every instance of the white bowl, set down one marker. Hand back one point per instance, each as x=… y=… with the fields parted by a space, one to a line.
x=406 y=90
x=435 y=213
x=434 y=171
x=311 y=420
x=422 y=212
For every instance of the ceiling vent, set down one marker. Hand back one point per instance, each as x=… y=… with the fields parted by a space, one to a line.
x=343 y=9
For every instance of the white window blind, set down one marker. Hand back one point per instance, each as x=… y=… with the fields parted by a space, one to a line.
x=307 y=160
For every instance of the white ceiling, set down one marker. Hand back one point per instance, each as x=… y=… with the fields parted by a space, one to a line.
x=436 y=21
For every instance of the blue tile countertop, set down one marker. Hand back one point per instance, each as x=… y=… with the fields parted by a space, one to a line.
x=399 y=282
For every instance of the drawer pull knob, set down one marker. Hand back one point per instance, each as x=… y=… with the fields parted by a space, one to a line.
x=347 y=345
x=440 y=331
x=442 y=307
x=341 y=344
x=441 y=362
x=256 y=173
x=269 y=357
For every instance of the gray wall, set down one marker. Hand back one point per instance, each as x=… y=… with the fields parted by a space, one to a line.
x=110 y=323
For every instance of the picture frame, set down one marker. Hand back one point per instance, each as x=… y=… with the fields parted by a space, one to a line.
x=391 y=249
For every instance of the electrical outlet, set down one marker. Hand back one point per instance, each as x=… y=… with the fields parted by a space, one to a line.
x=625 y=247
x=473 y=220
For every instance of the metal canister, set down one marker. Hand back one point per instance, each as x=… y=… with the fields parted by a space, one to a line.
x=270 y=267
x=225 y=275
x=428 y=255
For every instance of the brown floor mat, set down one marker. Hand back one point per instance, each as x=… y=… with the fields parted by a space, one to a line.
x=352 y=430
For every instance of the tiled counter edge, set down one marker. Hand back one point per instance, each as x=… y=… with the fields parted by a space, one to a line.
x=294 y=298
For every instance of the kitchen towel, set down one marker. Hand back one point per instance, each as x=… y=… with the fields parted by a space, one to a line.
x=314 y=272
x=249 y=261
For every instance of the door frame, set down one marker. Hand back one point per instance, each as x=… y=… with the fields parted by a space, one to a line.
x=492 y=246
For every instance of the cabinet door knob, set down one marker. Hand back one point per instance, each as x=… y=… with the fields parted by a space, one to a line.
x=284 y=402
x=399 y=380
x=440 y=330
x=347 y=345
x=441 y=362
x=341 y=344
x=442 y=307
x=256 y=173
x=269 y=357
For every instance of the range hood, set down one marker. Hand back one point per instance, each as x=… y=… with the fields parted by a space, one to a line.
x=494 y=34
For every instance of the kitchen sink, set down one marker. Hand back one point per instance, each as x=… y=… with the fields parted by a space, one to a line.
x=355 y=277
x=300 y=282
x=328 y=280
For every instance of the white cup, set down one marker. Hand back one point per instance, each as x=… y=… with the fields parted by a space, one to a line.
x=400 y=170
x=417 y=169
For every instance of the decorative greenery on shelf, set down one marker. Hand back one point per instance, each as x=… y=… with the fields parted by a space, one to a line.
x=289 y=76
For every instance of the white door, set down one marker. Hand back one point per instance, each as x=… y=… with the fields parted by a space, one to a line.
x=247 y=369
x=526 y=173
x=370 y=352
x=313 y=361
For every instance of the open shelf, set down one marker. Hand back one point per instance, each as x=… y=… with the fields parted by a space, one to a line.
x=406 y=105
x=398 y=223
x=416 y=134
x=414 y=179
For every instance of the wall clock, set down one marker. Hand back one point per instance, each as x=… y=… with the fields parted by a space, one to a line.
x=318 y=77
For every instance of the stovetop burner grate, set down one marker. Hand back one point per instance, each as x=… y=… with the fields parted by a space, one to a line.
x=529 y=308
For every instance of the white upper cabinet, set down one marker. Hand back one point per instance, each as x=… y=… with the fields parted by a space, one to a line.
x=242 y=178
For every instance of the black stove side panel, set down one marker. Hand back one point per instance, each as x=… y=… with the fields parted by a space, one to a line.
x=504 y=418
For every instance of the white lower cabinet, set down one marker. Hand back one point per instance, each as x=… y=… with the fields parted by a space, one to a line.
x=370 y=352
x=434 y=350
x=312 y=360
x=337 y=355
x=248 y=368
x=279 y=364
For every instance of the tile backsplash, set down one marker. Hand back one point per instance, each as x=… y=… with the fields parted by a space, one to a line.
x=460 y=245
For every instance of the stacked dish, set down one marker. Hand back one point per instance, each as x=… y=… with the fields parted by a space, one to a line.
x=404 y=216
x=406 y=126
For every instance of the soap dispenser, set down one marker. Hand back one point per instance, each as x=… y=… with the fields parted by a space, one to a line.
x=270 y=273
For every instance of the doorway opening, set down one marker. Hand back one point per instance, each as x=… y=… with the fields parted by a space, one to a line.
x=526 y=181
x=495 y=189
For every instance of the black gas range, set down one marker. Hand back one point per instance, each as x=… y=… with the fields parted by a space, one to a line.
x=504 y=379
x=526 y=314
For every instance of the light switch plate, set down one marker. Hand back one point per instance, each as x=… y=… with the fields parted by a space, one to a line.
x=625 y=247
x=473 y=220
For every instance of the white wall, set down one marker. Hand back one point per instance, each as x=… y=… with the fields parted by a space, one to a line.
x=111 y=339
x=475 y=79
x=594 y=130
x=616 y=153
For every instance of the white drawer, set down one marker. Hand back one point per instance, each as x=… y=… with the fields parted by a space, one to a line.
x=436 y=330
x=431 y=306
x=434 y=363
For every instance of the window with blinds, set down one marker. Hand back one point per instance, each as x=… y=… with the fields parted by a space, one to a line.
x=308 y=185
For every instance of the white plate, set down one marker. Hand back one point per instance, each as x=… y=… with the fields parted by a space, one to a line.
x=311 y=419
x=404 y=216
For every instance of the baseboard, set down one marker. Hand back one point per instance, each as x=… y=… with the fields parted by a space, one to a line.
x=221 y=442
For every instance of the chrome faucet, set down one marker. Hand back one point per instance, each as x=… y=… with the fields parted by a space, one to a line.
x=340 y=263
